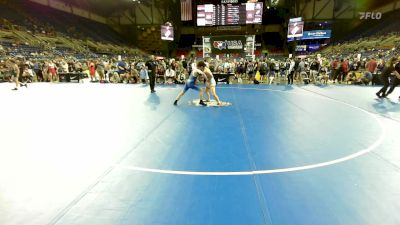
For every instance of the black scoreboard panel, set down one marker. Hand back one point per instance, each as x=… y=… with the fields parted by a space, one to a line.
x=229 y=14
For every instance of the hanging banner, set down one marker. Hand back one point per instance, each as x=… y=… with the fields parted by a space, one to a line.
x=316 y=34
x=206 y=46
x=313 y=34
x=227 y=44
x=237 y=45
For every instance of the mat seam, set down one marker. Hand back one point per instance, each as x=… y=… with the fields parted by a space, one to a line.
x=260 y=192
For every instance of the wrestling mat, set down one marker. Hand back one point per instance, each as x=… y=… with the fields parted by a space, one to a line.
x=211 y=103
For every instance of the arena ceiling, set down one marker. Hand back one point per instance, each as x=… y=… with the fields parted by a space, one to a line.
x=108 y=7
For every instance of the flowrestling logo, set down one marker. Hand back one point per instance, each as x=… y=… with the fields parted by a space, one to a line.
x=370 y=15
x=230 y=45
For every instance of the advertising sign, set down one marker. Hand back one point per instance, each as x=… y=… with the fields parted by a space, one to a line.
x=228 y=44
x=206 y=46
x=316 y=34
x=313 y=47
x=312 y=34
x=301 y=48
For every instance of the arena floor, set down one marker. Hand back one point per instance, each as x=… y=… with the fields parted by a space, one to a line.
x=91 y=154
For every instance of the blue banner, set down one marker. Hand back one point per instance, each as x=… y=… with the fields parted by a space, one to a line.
x=316 y=34
x=313 y=47
x=313 y=34
x=290 y=39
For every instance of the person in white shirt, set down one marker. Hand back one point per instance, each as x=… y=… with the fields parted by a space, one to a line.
x=64 y=66
x=144 y=76
x=27 y=74
x=170 y=75
x=291 y=71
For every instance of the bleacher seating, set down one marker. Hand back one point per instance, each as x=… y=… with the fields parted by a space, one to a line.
x=369 y=28
x=370 y=37
x=37 y=28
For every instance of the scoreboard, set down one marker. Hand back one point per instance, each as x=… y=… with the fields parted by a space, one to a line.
x=229 y=14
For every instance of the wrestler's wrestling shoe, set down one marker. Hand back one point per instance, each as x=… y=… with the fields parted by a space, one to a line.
x=202 y=103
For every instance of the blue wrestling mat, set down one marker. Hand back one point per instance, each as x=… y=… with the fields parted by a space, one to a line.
x=277 y=155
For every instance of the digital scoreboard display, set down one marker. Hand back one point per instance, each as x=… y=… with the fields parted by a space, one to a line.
x=229 y=14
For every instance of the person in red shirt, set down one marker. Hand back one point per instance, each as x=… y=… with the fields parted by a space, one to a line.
x=344 y=66
x=335 y=71
x=371 y=65
x=52 y=71
x=92 y=71
x=370 y=69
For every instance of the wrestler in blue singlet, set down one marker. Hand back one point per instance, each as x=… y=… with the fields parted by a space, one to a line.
x=191 y=81
x=191 y=84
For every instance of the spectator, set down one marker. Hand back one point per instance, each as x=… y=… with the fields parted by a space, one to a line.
x=64 y=66
x=371 y=67
x=314 y=70
x=52 y=71
x=100 y=69
x=170 y=76
x=291 y=71
x=250 y=70
x=122 y=68
x=344 y=69
x=27 y=74
x=92 y=71
x=335 y=66
x=263 y=70
x=144 y=76
x=134 y=75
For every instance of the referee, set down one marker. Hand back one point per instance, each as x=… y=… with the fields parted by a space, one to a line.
x=152 y=67
x=387 y=71
x=396 y=79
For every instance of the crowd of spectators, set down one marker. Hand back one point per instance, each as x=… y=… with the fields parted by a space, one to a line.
x=318 y=69
x=315 y=69
x=106 y=69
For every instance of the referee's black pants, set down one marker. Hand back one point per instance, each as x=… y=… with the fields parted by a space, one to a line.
x=152 y=78
x=290 y=77
x=395 y=83
x=385 y=80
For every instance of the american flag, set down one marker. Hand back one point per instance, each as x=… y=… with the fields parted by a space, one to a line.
x=186 y=10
